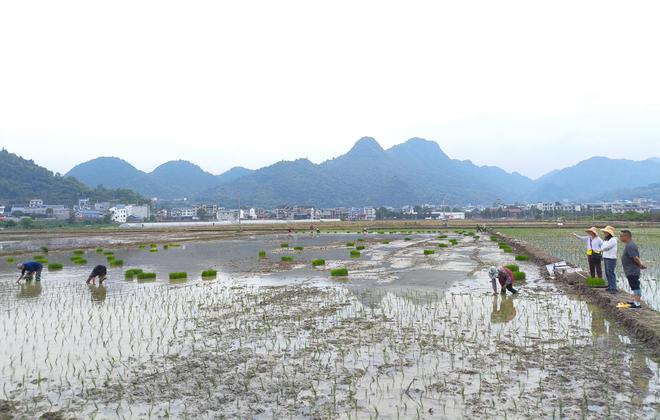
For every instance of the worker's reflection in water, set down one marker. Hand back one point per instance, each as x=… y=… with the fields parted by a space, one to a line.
x=505 y=312
x=29 y=290
x=98 y=292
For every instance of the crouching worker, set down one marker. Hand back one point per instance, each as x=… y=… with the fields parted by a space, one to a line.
x=99 y=271
x=29 y=269
x=505 y=278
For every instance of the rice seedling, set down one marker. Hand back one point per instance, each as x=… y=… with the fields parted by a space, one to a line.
x=386 y=242
x=37 y=257
x=79 y=261
x=209 y=273
x=519 y=275
x=153 y=250
x=287 y=258
x=360 y=240
x=143 y=275
x=178 y=275
x=141 y=246
x=55 y=266
x=595 y=282
x=116 y=263
x=350 y=244
x=99 y=250
x=44 y=249
x=153 y=245
x=41 y=260
x=132 y=272
x=407 y=238
x=78 y=252
x=284 y=245
x=76 y=257
x=443 y=245
x=110 y=258
x=494 y=238
x=360 y=247
x=262 y=254
x=429 y=252
x=355 y=253
x=453 y=241
x=513 y=267
x=318 y=262
x=339 y=272
x=442 y=237
x=298 y=248
x=107 y=252
x=10 y=260
x=522 y=258
x=166 y=246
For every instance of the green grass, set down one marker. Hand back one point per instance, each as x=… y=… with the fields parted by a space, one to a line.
x=319 y=262
x=178 y=275
x=429 y=252
x=407 y=239
x=55 y=266
x=359 y=247
x=116 y=263
x=298 y=248
x=78 y=252
x=132 y=272
x=519 y=275
x=522 y=258
x=209 y=274
x=595 y=282
x=339 y=272
x=143 y=275
x=513 y=267
x=287 y=258
x=285 y=245
x=355 y=253
x=262 y=254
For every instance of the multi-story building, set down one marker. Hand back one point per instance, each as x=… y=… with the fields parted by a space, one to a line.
x=36 y=202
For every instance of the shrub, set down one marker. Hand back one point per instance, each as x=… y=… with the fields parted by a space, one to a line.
x=116 y=263
x=355 y=253
x=349 y=244
x=429 y=252
x=595 y=282
x=210 y=273
x=55 y=266
x=177 y=275
x=132 y=272
x=284 y=245
x=318 y=262
x=522 y=258
x=145 y=276
x=78 y=252
x=298 y=248
x=339 y=272
x=262 y=254
x=513 y=267
x=359 y=247
x=519 y=275
x=287 y=258
x=443 y=245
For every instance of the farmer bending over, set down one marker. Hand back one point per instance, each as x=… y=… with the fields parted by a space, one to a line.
x=28 y=269
x=99 y=271
x=505 y=277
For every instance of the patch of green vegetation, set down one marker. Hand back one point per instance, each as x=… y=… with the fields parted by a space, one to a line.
x=355 y=253
x=522 y=258
x=10 y=260
x=339 y=272
x=132 y=272
x=429 y=252
x=178 y=275
x=99 y=250
x=76 y=257
x=110 y=258
x=284 y=245
x=360 y=239
x=359 y=247
x=166 y=246
x=407 y=239
x=79 y=261
x=595 y=282
x=153 y=245
x=442 y=237
x=287 y=258
x=262 y=254
x=513 y=267
x=153 y=250
x=386 y=242
x=44 y=249
x=116 y=263
x=298 y=248
x=143 y=275
x=141 y=246
x=209 y=274
x=318 y=262
x=507 y=250
x=350 y=244
x=38 y=257
x=78 y=252
x=453 y=241
x=519 y=275
x=443 y=245
x=55 y=266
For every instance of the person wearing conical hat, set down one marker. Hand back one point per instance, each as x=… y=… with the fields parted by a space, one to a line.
x=593 y=245
x=610 y=247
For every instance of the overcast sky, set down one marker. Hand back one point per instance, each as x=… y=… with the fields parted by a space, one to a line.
x=525 y=85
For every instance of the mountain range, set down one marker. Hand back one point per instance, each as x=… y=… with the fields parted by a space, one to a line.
x=416 y=171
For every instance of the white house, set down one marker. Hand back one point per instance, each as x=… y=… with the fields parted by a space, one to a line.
x=119 y=213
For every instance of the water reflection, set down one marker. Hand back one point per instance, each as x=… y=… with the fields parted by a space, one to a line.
x=98 y=292
x=29 y=290
x=598 y=326
x=503 y=313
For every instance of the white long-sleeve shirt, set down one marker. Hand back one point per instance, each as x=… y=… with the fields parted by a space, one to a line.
x=595 y=244
x=610 y=248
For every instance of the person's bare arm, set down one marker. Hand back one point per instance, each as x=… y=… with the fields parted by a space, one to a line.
x=639 y=263
x=21 y=276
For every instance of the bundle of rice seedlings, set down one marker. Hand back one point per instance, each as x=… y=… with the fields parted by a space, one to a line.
x=153 y=250
x=287 y=258
x=359 y=247
x=132 y=272
x=262 y=254
x=145 y=276
x=519 y=275
x=386 y=242
x=429 y=252
x=38 y=257
x=318 y=262
x=10 y=260
x=407 y=239
x=513 y=267
x=507 y=249
x=99 y=250
x=443 y=245
x=442 y=237
x=116 y=263
x=41 y=260
x=44 y=249
x=79 y=261
x=453 y=241
x=595 y=282
x=298 y=248
x=339 y=272
x=360 y=239
x=178 y=275
x=78 y=252
x=494 y=238
x=110 y=258
x=522 y=257
x=166 y=246
x=55 y=266
x=141 y=246
x=355 y=253
x=284 y=245
x=350 y=244
x=209 y=274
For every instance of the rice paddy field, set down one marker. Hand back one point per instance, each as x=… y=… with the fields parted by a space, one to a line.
x=561 y=243
x=397 y=333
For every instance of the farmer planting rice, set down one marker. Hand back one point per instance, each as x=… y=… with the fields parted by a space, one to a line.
x=29 y=269
x=99 y=271
x=610 y=247
x=505 y=278
x=593 y=245
x=632 y=266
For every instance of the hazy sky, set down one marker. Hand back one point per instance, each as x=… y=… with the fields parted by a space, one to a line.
x=526 y=85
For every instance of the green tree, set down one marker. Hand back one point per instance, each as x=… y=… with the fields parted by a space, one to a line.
x=27 y=222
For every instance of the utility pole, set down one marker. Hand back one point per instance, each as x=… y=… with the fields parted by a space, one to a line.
x=240 y=229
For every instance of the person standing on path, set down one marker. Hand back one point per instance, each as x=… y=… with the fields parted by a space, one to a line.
x=593 y=245
x=610 y=247
x=28 y=269
x=632 y=267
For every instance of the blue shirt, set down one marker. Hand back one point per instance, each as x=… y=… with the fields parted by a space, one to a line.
x=32 y=267
x=630 y=267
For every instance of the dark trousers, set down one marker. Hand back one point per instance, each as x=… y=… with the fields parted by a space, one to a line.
x=595 y=267
x=610 y=273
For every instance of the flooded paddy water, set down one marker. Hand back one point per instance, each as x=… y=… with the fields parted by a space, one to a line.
x=404 y=335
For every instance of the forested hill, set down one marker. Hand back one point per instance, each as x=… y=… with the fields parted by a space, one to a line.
x=22 y=180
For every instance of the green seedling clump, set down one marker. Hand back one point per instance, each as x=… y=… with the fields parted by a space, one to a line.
x=99 y=250
x=595 y=282
x=38 y=257
x=355 y=253
x=519 y=275
x=262 y=254
x=359 y=247
x=386 y=242
x=443 y=245
x=153 y=250
x=44 y=249
x=209 y=274
x=141 y=246
x=10 y=260
x=166 y=246
x=442 y=237
x=453 y=241
x=80 y=261
x=177 y=275
x=429 y=252
x=132 y=272
x=287 y=258
x=318 y=262
x=55 y=266
x=41 y=260
x=284 y=245
x=522 y=258
x=145 y=275
x=110 y=258
x=349 y=244
x=508 y=250
x=494 y=238
x=107 y=252
x=407 y=239
x=513 y=267
x=360 y=239
x=339 y=272
x=78 y=252
x=116 y=263
x=298 y=248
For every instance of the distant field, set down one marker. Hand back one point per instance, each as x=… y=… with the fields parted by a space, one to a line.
x=560 y=243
